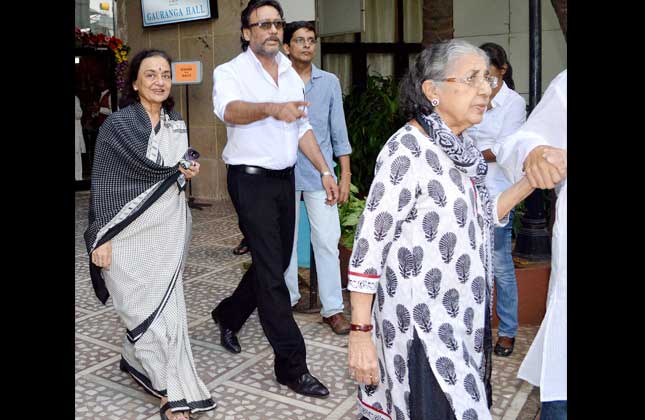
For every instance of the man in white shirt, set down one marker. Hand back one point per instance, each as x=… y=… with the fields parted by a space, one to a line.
x=532 y=150
x=260 y=98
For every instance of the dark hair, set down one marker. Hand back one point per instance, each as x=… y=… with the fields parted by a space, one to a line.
x=498 y=58
x=433 y=63
x=294 y=26
x=246 y=13
x=130 y=95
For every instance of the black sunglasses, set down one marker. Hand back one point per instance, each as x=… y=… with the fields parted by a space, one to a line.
x=266 y=25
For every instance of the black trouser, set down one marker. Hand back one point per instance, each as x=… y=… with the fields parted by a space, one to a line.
x=266 y=211
x=427 y=399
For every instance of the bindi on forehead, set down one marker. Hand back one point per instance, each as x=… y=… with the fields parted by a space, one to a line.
x=159 y=69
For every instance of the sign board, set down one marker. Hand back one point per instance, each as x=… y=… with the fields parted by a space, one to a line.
x=186 y=72
x=337 y=17
x=299 y=10
x=164 y=12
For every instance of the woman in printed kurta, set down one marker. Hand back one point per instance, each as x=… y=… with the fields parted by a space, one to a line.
x=423 y=246
x=139 y=233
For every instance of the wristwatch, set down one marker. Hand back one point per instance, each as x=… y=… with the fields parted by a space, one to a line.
x=325 y=173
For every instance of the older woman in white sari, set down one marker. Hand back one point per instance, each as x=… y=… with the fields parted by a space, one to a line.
x=138 y=235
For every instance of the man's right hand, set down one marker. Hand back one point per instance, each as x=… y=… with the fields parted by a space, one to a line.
x=288 y=111
x=539 y=170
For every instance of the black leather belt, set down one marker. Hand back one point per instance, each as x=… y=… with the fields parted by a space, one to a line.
x=257 y=170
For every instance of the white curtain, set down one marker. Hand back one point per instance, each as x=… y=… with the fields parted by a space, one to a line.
x=380 y=26
x=413 y=21
x=380 y=21
x=341 y=66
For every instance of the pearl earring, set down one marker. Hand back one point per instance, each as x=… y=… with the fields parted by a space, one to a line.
x=434 y=102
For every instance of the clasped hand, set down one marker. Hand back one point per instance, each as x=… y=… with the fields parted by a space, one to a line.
x=545 y=166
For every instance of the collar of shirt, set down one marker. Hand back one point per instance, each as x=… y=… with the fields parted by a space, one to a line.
x=501 y=96
x=283 y=63
x=316 y=73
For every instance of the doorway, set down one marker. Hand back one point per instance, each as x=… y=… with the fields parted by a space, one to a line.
x=94 y=75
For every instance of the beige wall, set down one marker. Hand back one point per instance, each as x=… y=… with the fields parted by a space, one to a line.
x=212 y=42
x=506 y=22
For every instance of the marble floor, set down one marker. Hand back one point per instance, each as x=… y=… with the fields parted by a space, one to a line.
x=243 y=385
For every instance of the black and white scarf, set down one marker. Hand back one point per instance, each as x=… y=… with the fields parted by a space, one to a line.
x=120 y=173
x=466 y=157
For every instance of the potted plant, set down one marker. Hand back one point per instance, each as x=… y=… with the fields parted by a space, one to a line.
x=372 y=116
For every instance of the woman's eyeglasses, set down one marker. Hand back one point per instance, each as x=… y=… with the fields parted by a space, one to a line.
x=474 y=81
x=265 y=25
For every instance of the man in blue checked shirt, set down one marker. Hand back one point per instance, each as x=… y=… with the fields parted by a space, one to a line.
x=327 y=118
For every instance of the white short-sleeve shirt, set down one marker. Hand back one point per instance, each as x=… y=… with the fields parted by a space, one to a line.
x=268 y=143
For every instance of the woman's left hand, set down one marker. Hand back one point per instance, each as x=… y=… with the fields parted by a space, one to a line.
x=190 y=172
x=361 y=358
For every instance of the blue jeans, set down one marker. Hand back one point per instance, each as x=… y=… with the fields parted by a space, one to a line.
x=505 y=282
x=554 y=410
x=325 y=234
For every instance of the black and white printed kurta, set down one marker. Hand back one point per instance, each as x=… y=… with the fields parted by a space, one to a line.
x=420 y=248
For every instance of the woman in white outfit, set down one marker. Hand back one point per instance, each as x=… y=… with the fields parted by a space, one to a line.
x=138 y=235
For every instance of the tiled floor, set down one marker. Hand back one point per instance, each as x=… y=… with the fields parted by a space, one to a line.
x=243 y=385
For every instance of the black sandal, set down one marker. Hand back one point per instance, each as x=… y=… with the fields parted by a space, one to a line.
x=504 y=351
x=164 y=408
x=241 y=249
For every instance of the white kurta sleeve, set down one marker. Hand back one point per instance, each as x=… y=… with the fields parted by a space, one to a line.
x=391 y=197
x=547 y=125
x=496 y=220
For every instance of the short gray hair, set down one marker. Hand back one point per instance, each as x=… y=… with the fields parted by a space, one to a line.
x=433 y=63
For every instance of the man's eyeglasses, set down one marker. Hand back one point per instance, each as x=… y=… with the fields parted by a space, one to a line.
x=301 y=41
x=474 y=81
x=265 y=25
